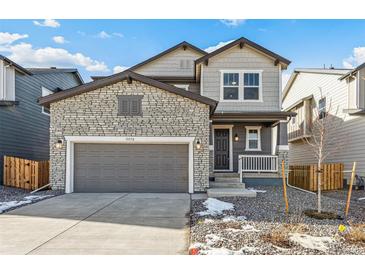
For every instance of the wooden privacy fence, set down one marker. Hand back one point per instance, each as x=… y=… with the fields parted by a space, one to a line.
x=305 y=176
x=25 y=174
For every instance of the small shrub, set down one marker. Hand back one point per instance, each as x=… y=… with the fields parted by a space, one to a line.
x=232 y=225
x=280 y=236
x=356 y=234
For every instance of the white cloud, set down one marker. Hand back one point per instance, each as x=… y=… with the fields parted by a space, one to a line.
x=219 y=45
x=118 y=34
x=233 y=22
x=28 y=56
x=51 y=23
x=7 y=38
x=356 y=59
x=117 y=69
x=104 y=35
x=59 y=39
x=284 y=79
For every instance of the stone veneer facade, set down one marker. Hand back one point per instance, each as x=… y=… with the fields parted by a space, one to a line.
x=94 y=113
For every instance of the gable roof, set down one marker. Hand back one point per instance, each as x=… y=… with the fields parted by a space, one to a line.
x=183 y=44
x=353 y=71
x=125 y=75
x=242 y=41
x=17 y=67
x=57 y=70
x=293 y=76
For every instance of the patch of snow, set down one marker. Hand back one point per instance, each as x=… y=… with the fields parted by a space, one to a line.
x=9 y=205
x=311 y=242
x=205 y=249
x=234 y=218
x=215 y=207
x=245 y=228
x=256 y=190
x=211 y=239
x=208 y=221
x=37 y=197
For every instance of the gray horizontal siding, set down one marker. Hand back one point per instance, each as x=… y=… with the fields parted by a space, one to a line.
x=242 y=59
x=24 y=129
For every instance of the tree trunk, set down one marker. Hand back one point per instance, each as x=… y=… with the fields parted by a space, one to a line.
x=319 y=181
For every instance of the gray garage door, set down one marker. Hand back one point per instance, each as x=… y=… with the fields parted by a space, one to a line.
x=130 y=168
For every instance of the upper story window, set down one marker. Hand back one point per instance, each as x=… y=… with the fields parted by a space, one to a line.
x=241 y=86
x=251 y=86
x=322 y=108
x=230 y=86
x=45 y=92
x=253 y=138
x=7 y=82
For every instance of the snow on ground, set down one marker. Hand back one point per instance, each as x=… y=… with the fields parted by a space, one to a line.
x=5 y=206
x=215 y=207
x=311 y=242
x=9 y=205
x=256 y=190
x=232 y=218
x=36 y=197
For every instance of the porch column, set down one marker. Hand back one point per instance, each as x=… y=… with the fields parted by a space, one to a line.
x=211 y=151
x=282 y=150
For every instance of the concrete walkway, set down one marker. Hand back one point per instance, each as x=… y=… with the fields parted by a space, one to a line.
x=108 y=223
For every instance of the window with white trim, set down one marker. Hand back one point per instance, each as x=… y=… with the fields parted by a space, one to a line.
x=241 y=85
x=7 y=82
x=322 y=108
x=253 y=138
x=45 y=92
x=251 y=86
x=230 y=86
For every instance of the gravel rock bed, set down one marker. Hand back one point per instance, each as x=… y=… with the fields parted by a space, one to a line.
x=8 y=194
x=265 y=214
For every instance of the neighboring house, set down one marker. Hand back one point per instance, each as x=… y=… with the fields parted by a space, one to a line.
x=24 y=124
x=341 y=92
x=172 y=122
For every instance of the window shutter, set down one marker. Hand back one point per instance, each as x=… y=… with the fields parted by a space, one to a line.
x=130 y=105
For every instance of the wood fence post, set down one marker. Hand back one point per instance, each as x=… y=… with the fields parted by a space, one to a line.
x=284 y=187
x=350 y=190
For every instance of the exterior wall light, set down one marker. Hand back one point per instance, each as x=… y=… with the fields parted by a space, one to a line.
x=236 y=138
x=59 y=143
x=198 y=144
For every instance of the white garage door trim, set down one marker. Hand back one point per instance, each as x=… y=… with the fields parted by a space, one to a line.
x=71 y=140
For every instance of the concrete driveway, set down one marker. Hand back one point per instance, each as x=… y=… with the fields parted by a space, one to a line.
x=107 y=223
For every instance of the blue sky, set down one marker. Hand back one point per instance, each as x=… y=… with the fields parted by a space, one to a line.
x=96 y=47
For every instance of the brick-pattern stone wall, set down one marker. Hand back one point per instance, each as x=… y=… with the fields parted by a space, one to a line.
x=94 y=113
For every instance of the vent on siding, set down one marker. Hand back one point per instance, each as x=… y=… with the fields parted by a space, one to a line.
x=186 y=64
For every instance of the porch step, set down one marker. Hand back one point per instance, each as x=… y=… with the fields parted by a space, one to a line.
x=220 y=184
x=226 y=175
x=261 y=175
x=230 y=192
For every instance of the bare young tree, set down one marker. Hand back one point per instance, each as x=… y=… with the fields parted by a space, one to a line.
x=324 y=138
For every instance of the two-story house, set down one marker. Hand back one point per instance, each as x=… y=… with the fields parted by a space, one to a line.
x=24 y=124
x=172 y=122
x=340 y=93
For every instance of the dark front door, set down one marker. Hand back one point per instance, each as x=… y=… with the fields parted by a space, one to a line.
x=221 y=149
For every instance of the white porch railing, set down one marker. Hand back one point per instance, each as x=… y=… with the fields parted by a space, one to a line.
x=257 y=163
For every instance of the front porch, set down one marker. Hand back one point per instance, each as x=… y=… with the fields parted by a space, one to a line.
x=250 y=148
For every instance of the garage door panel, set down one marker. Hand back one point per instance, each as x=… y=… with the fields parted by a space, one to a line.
x=131 y=168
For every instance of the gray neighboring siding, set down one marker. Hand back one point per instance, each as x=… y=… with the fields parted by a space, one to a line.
x=242 y=59
x=24 y=129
